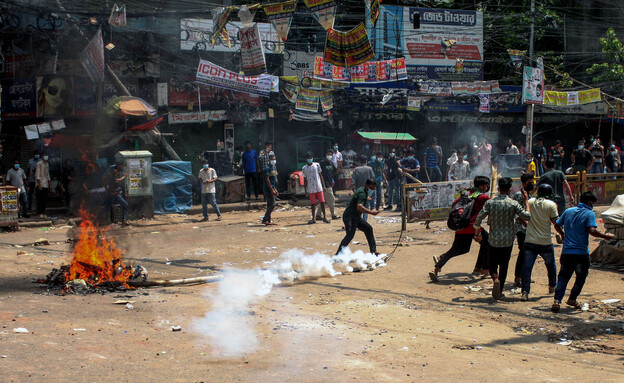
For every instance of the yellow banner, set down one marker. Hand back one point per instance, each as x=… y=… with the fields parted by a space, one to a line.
x=561 y=98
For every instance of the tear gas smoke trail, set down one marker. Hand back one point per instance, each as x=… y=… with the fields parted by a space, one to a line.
x=228 y=326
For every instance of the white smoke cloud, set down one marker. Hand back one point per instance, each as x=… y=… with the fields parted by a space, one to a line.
x=229 y=327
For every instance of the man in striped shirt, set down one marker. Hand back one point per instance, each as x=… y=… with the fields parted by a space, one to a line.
x=433 y=159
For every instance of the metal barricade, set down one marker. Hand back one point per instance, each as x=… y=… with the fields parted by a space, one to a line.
x=604 y=186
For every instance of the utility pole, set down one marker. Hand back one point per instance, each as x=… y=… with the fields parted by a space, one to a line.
x=531 y=108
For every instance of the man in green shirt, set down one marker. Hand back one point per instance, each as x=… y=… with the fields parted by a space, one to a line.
x=557 y=180
x=352 y=217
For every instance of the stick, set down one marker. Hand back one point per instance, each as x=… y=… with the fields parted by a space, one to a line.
x=174 y=282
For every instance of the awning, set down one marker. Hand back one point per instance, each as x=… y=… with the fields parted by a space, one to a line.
x=385 y=138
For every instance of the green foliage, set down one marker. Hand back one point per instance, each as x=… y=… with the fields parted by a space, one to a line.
x=611 y=71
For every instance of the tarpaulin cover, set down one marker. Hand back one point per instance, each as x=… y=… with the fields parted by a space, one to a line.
x=612 y=252
x=172 y=182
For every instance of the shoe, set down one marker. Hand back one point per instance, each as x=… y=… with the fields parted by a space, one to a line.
x=388 y=208
x=496 y=290
x=517 y=282
x=476 y=272
x=524 y=297
x=218 y=218
x=574 y=304
x=433 y=276
x=551 y=289
x=555 y=307
x=326 y=220
x=435 y=260
x=311 y=222
x=205 y=219
x=335 y=216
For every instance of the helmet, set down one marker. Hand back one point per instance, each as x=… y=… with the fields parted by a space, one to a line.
x=544 y=190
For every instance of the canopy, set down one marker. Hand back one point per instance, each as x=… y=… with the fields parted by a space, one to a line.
x=385 y=138
x=129 y=106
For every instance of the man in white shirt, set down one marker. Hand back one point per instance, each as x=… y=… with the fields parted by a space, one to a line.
x=314 y=186
x=337 y=158
x=16 y=177
x=460 y=170
x=538 y=239
x=511 y=148
x=42 y=175
x=208 y=177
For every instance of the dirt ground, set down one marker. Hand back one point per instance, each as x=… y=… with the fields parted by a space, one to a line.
x=387 y=325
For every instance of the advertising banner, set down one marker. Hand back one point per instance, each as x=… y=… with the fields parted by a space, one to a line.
x=414 y=103
x=222 y=16
x=290 y=92
x=533 y=86
x=92 y=58
x=484 y=103
x=368 y=72
x=349 y=48
x=327 y=100
x=252 y=54
x=324 y=11
x=307 y=100
x=213 y=75
x=425 y=58
x=195 y=33
x=374 y=11
x=280 y=15
x=581 y=97
x=19 y=98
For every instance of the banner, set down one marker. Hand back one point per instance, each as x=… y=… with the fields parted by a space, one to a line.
x=322 y=70
x=368 y=72
x=374 y=11
x=92 y=58
x=334 y=53
x=341 y=74
x=414 y=103
x=349 y=48
x=327 y=100
x=280 y=15
x=118 y=16
x=516 y=57
x=290 y=92
x=581 y=97
x=222 y=16
x=533 y=86
x=19 y=98
x=252 y=54
x=324 y=12
x=307 y=100
x=197 y=117
x=591 y=95
x=484 y=103
x=572 y=98
x=213 y=75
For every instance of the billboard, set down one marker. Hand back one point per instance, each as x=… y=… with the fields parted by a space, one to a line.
x=432 y=50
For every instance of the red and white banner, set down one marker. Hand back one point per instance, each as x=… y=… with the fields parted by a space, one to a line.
x=252 y=54
x=213 y=75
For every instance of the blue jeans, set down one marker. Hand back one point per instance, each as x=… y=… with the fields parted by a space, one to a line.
x=207 y=198
x=531 y=251
x=596 y=168
x=572 y=264
x=435 y=175
x=23 y=200
x=394 y=192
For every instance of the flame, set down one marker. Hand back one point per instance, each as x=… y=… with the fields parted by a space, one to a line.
x=97 y=259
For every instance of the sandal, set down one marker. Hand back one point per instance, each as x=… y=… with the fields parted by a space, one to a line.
x=326 y=220
x=433 y=276
x=311 y=222
x=555 y=307
x=574 y=304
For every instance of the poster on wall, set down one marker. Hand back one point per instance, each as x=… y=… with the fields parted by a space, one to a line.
x=19 y=98
x=425 y=57
x=229 y=139
x=55 y=96
x=9 y=200
x=307 y=100
x=533 y=86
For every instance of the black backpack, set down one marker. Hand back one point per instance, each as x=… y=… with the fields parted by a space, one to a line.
x=461 y=212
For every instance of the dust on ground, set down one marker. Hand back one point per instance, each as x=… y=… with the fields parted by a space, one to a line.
x=390 y=324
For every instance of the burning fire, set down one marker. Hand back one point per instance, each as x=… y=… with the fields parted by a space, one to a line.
x=97 y=259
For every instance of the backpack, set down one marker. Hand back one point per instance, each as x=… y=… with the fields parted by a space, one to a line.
x=461 y=212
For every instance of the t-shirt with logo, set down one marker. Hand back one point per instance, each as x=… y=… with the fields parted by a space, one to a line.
x=538 y=229
x=312 y=173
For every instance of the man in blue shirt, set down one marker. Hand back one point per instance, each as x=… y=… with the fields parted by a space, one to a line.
x=578 y=223
x=250 y=161
x=433 y=159
x=410 y=165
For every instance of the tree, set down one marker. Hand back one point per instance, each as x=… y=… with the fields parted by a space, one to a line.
x=611 y=72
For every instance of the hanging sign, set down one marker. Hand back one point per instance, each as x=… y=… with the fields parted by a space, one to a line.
x=349 y=48
x=213 y=75
x=374 y=11
x=252 y=54
x=533 y=86
x=222 y=16
x=280 y=15
x=572 y=98
x=92 y=58
x=327 y=100
x=414 y=103
x=307 y=100
x=118 y=16
x=484 y=103
x=324 y=11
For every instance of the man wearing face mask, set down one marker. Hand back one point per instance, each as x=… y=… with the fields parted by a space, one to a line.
x=269 y=183
x=352 y=217
x=578 y=223
x=582 y=159
x=314 y=186
x=365 y=151
x=460 y=170
x=17 y=178
x=328 y=172
x=348 y=156
x=42 y=175
x=528 y=184
x=410 y=165
x=394 y=183
x=32 y=181
x=376 y=163
x=597 y=150
x=612 y=160
x=208 y=177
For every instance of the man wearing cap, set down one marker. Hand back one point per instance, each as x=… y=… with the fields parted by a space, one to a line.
x=578 y=223
x=538 y=240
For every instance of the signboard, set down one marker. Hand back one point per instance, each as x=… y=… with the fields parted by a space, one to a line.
x=533 y=86
x=194 y=31
x=434 y=200
x=213 y=75
x=19 y=98
x=9 y=200
x=426 y=57
x=300 y=64
x=197 y=117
